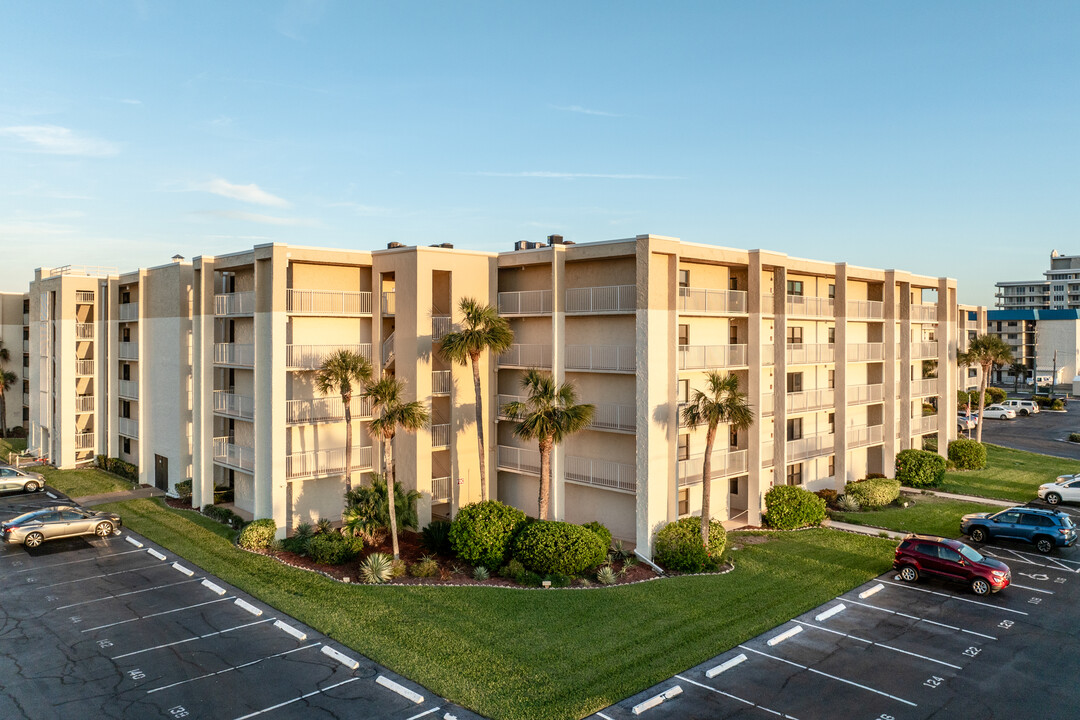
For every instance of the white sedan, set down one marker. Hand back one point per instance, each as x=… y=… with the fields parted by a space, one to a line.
x=1066 y=487
x=999 y=412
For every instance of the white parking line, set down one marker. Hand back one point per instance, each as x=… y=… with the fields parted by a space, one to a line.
x=125 y=594
x=733 y=697
x=428 y=712
x=235 y=667
x=880 y=645
x=192 y=639
x=1010 y=558
x=954 y=597
x=297 y=699
x=922 y=619
x=104 y=575
x=1020 y=554
x=157 y=614
x=72 y=562
x=1038 y=590
x=834 y=677
x=600 y=714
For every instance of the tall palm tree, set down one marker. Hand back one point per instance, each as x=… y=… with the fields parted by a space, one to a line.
x=7 y=379
x=392 y=412
x=1017 y=369
x=481 y=329
x=986 y=351
x=720 y=402
x=344 y=371
x=549 y=414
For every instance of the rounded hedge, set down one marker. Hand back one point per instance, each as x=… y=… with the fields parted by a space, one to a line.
x=967 y=454
x=257 y=535
x=482 y=532
x=333 y=548
x=873 y=492
x=919 y=468
x=600 y=530
x=790 y=507
x=679 y=548
x=548 y=547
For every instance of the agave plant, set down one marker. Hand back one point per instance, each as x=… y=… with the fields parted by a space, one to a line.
x=480 y=573
x=304 y=532
x=628 y=564
x=376 y=568
x=606 y=575
x=324 y=526
x=620 y=552
x=848 y=504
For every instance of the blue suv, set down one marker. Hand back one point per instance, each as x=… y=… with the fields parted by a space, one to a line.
x=1045 y=529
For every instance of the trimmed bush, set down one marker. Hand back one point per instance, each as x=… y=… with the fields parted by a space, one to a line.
x=436 y=537
x=334 y=548
x=599 y=529
x=995 y=395
x=223 y=515
x=551 y=547
x=118 y=467
x=791 y=507
x=482 y=532
x=873 y=492
x=426 y=567
x=1057 y=405
x=829 y=496
x=967 y=454
x=257 y=535
x=679 y=548
x=919 y=468
x=1074 y=437
x=183 y=489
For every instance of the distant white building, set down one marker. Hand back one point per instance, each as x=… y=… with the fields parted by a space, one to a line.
x=1059 y=290
x=1046 y=342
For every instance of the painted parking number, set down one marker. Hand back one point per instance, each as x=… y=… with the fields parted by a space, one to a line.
x=1034 y=601
x=972 y=651
x=883 y=716
x=1005 y=624
x=934 y=681
x=178 y=711
x=136 y=674
x=104 y=644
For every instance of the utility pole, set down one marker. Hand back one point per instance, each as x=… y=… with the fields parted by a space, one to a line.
x=1053 y=379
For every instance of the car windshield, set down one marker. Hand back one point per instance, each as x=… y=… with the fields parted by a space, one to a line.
x=1066 y=521
x=971 y=554
x=1064 y=479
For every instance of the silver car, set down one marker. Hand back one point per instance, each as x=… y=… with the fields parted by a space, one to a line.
x=33 y=528
x=14 y=479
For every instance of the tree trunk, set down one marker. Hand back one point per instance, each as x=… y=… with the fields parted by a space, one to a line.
x=3 y=412
x=479 y=425
x=982 y=401
x=545 y=479
x=347 y=399
x=387 y=440
x=706 y=486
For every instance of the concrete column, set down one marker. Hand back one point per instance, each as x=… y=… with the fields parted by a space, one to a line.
x=780 y=375
x=111 y=349
x=202 y=401
x=905 y=367
x=558 y=369
x=840 y=447
x=948 y=339
x=891 y=407
x=146 y=397
x=270 y=382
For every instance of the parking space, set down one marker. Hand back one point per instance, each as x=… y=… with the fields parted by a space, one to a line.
x=890 y=650
x=120 y=628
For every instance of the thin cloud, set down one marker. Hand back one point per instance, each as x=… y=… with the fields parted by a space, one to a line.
x=264 y=219
x=130 y=101
x=583 y=111
x=571 y=175
x=245 y=193
x=56 y=140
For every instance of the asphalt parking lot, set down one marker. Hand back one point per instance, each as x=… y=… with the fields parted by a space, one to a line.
x=1046 y=433
x=889 y=650
x=120 y=628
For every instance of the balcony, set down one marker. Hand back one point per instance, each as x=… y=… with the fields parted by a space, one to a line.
x=864 y=394
x=601 y=473
x=234 y=456
x=526 y=356
x=707 y=357
x=84 y=404
x=601 y=300
x=809 y=400
x=440 y=436
x=810 y=446
x=863 y=436
x=924 y=350
x=519 y=460
x=84 y=440
x=129 y=312
x=440 y=327
x=234 y=304
x=724 y=464
x=85 y=297
x=801 y=306
x=809 y=354
x=25 y=347
x=866 y=352
x=767 y=406
x=924 y=424
x=525 y=302
x=128 y=427
x=440 y=489
x=441 y=382
x=925 y=386
x=128 y=350
x=26 y=318
x=234 y=406
x=389 y=305
x=702 y=301
x=321 y=463
x=84 y=331
x=768 y=354
x=325 y=409
x=310 y=357
x=924 y=312
x=768 y=301
x=601 y=358
x=84 y=368
x=388 y=349
x=234 y=354
x=25 y=373
x=618 y=418
x=866 y=310
x=128 y=389
x=327 y=303
x=767 y=459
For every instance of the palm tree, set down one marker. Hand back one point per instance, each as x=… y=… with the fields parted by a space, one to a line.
x=1017 y=368
x=393 y=413
x=481 y=329
x=986 y=351
x=343 y=371
x=720 y=402
x=549 y=414
x=7 y=379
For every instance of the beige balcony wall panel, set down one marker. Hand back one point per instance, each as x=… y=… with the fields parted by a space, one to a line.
x=600 y=272
x=596 y=444
x=532 y=330
x=244 y=329
x=340 y=278
x=313 y=499
x=600 y=330
x=596 y=388
x=329 y=331
x=712 y=277
x=857 y=290
x=244 y=380
x=525 y=278
x=615 y=510
x=325 y=436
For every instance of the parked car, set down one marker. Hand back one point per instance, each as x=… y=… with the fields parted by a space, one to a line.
x=998 y=412
x=14 y=479
x=1021 y=407
x=950 y=560
x=33 y=528
x=1045 y=529
x=965 y=423
x=1066 y=487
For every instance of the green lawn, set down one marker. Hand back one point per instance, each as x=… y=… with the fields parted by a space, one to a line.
x=930 y=515
x=86 y=481
x=7 y=445
x=540 y=653
x=1009 y=475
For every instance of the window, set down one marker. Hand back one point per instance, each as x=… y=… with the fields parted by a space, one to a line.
x=683 y=392
x=832 y=335
x=1059 y=288
x=684 y=501
x=126 y=333
x=733 y=283
x=832 y=381
x=794 y=474
x=794 y=382
x=125 y=409
x=972 y=372
x=125 y=298
x=794 y=287
x=127 y=446
x=684 y=280
x=794 y=429
x=733 y=335
x=684 y=335
x=1012 y=336
x=733 y=441
x=832 y=425
x=832 y=466
x=125 y=374
x=733 y=485
x=794 y=336
x=684 y=447
x=948 y=554
x=832 y=293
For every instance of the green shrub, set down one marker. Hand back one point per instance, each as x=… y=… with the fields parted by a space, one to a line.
x=601 y=530
x=223 y=494
x=334 y=548
x=118 y=467
x=995 y=395
x=367 y=507
x=183 y=489
x=513 y=570
x=223 y=515
x=258 y=535
x=397 y=568
x=790 y=507
x=828 y=495
x=436 y=537
x=967 y=454
x=559 y=580
x=679 y=548
x=426 y=567
x=1057 y=405
x=1074 y=437
x=375 y=568
x=872 y=476
x=873 y=492
x=482 y=532
x=548 y=547
x=919 y=468
x=324 y=526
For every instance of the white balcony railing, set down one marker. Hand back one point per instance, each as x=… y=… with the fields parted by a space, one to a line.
x=724 y=463
x=768 y=354
x=129 y=312
x=703 y=357
x=85 y=297
x=925 y=386
x=609 y=299
x=128 y=427
x=440 y=327
x=388 y=349
x=767 y=459
x=866 y=310
x=25 y=346
x=921 y=350
x=389 y=304
x=128 y=389
x=325 y=409
x=526 y=356
x=863 y=394
x=602 y=358
x=810 y=306
x=924 y=424
x=863 y=436
x=866 y=352
x=609 y=416
x=440 y=436
x=601 y=473
x=232 y=405
x=320 y=463
x=235 y=456
x=128 y=350
x=234 y=354
x=440 y=489
x=810 y=446
x=809 y=400
x=84 y=331
x=521 y=460
x=84 y=403
x=327 y=302
x=810 y=353
x=441 y=382
x=924 y=312
x=84 y=440
x=525 y=302
x=767 y=406
x=310 y=357
x=702 y=301
x=25 y=373
x=237 y=303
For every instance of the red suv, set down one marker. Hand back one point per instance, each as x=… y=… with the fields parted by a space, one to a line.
x=950 y=560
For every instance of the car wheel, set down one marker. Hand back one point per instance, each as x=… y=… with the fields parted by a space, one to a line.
x=1024 y=413
x=1044 y=544
x=909 y=573
x=977 y=535
x=980 y=587
x=31 y=486
x=34 y=539
x=104 y=529
x=1053 y=498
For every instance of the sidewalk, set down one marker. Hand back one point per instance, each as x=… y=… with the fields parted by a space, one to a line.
x=118 y=496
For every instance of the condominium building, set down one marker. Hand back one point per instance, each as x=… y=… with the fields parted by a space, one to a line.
x=840 y=365
x=15 y=336
x=1045 y=342
x=1059 y=290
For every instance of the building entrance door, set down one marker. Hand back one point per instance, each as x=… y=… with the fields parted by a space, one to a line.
x=161 y=472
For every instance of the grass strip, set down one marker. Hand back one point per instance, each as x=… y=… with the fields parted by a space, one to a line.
x=928 y=515
x=84 y=481
x=1009 y=475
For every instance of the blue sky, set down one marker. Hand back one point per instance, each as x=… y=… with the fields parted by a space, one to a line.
x=939 y=138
